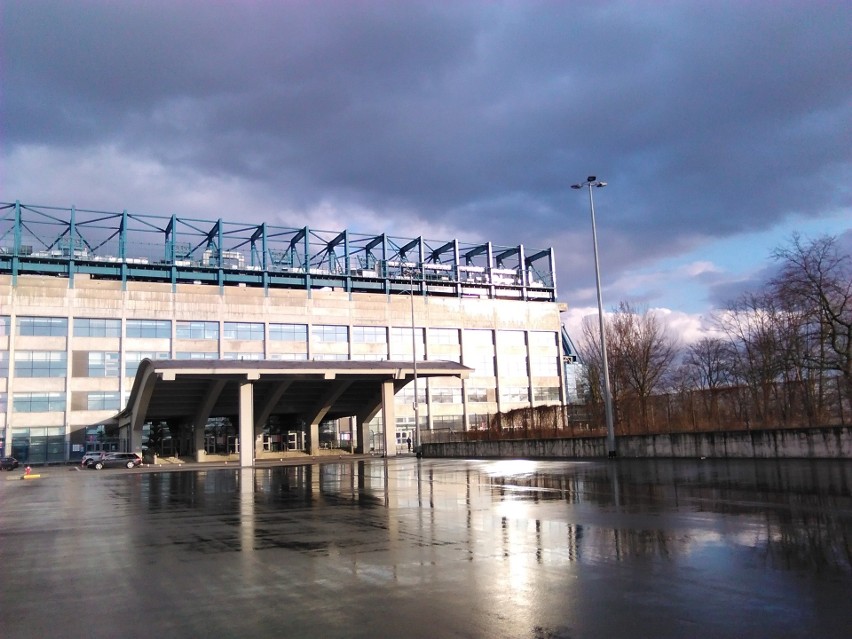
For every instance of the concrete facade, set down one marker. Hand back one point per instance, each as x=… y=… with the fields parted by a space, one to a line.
x=61 y=379
x=794 y=443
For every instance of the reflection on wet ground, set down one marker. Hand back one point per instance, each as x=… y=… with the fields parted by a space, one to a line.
x=433 y=548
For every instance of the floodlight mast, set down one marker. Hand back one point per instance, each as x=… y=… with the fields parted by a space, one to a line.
x=590 y=182
x=417 y=449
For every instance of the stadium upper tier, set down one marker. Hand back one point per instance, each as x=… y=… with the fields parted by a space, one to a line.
x=124 y=246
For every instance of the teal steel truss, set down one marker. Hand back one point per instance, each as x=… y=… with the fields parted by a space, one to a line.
x=124 y=246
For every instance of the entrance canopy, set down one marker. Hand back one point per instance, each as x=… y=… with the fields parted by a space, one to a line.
x=191 y=391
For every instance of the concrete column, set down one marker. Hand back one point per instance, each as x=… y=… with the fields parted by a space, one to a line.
x=362 y=439
x=247 y=519
x=199 y=441
x=389 y=418
x=314 y=437
x=246 y=424
x=353 y=434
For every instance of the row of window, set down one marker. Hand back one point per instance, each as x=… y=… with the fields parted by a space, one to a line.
x=95 y=400
x=107 y=363
x=55 y=402
x=200 y=330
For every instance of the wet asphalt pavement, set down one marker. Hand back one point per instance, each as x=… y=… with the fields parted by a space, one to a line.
x=431 y=548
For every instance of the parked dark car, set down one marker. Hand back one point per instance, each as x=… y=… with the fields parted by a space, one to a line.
x=115 y=460
x=8 y=463
x=91 y=456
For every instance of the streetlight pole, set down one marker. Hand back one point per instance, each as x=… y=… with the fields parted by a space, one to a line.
x=590 y=182
x=414 y=365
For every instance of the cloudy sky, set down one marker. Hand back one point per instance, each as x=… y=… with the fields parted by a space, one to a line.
x=721 y=127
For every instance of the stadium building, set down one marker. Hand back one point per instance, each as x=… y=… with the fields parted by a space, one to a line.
x=118 y=330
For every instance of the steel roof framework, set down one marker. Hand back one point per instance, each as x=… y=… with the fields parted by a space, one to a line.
x=139 y=247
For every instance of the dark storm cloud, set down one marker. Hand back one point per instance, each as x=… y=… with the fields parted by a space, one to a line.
x=707 y=118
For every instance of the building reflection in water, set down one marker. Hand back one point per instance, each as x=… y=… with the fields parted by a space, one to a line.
x=789 y=515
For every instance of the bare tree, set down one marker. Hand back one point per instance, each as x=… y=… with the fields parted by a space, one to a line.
x=785 y=359
x=766 y=342
x=590 y=354
x=816 y=280
x=644 y=352
x=709 y=360
x=707 y=364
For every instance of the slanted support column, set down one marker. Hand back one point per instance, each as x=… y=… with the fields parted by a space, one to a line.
x=246 y=424
x=202 y=413
x=321 y=408
x=137 y=416
x=389 y=418
x=135 y=442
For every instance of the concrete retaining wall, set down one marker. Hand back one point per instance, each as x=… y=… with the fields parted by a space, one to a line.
x=808 y=443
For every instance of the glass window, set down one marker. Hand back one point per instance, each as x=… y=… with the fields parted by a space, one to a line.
x=448 y=422
x=477 y=394
x=96 y=327
x=369 y=357
x=288 y=332
x=546 y=393
x=194 y=355
x=446 y=395
x=132 y=359
x=512 y=365
x=43 y=326
x=369 y=334
x=242 y=355
x=4 y=363
x=402 y=335
x=197 y=330
x=445 y=357
x=149 y=328
x=3 y=402
x=330 y=357
x=407 y=423
x=40 y=363
x=444 y=336
x=103 y=364
x=478 y=421
x=290 y=357
x=544 y=366
x=400 y=342
x=5 y=325
x=543 y=339
x=102 y=401
x=405 y=395
x=329 y=333
x=510 y=338
x=482 y=365
x=514 y=394
x=478 y=337
x=38 y=402
x=244 y=330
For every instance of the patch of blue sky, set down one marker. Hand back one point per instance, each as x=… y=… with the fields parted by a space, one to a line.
x=748 y=253
x=686 y=277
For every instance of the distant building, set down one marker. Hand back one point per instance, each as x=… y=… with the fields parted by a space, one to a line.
x=574 y=372
x=85 y=296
